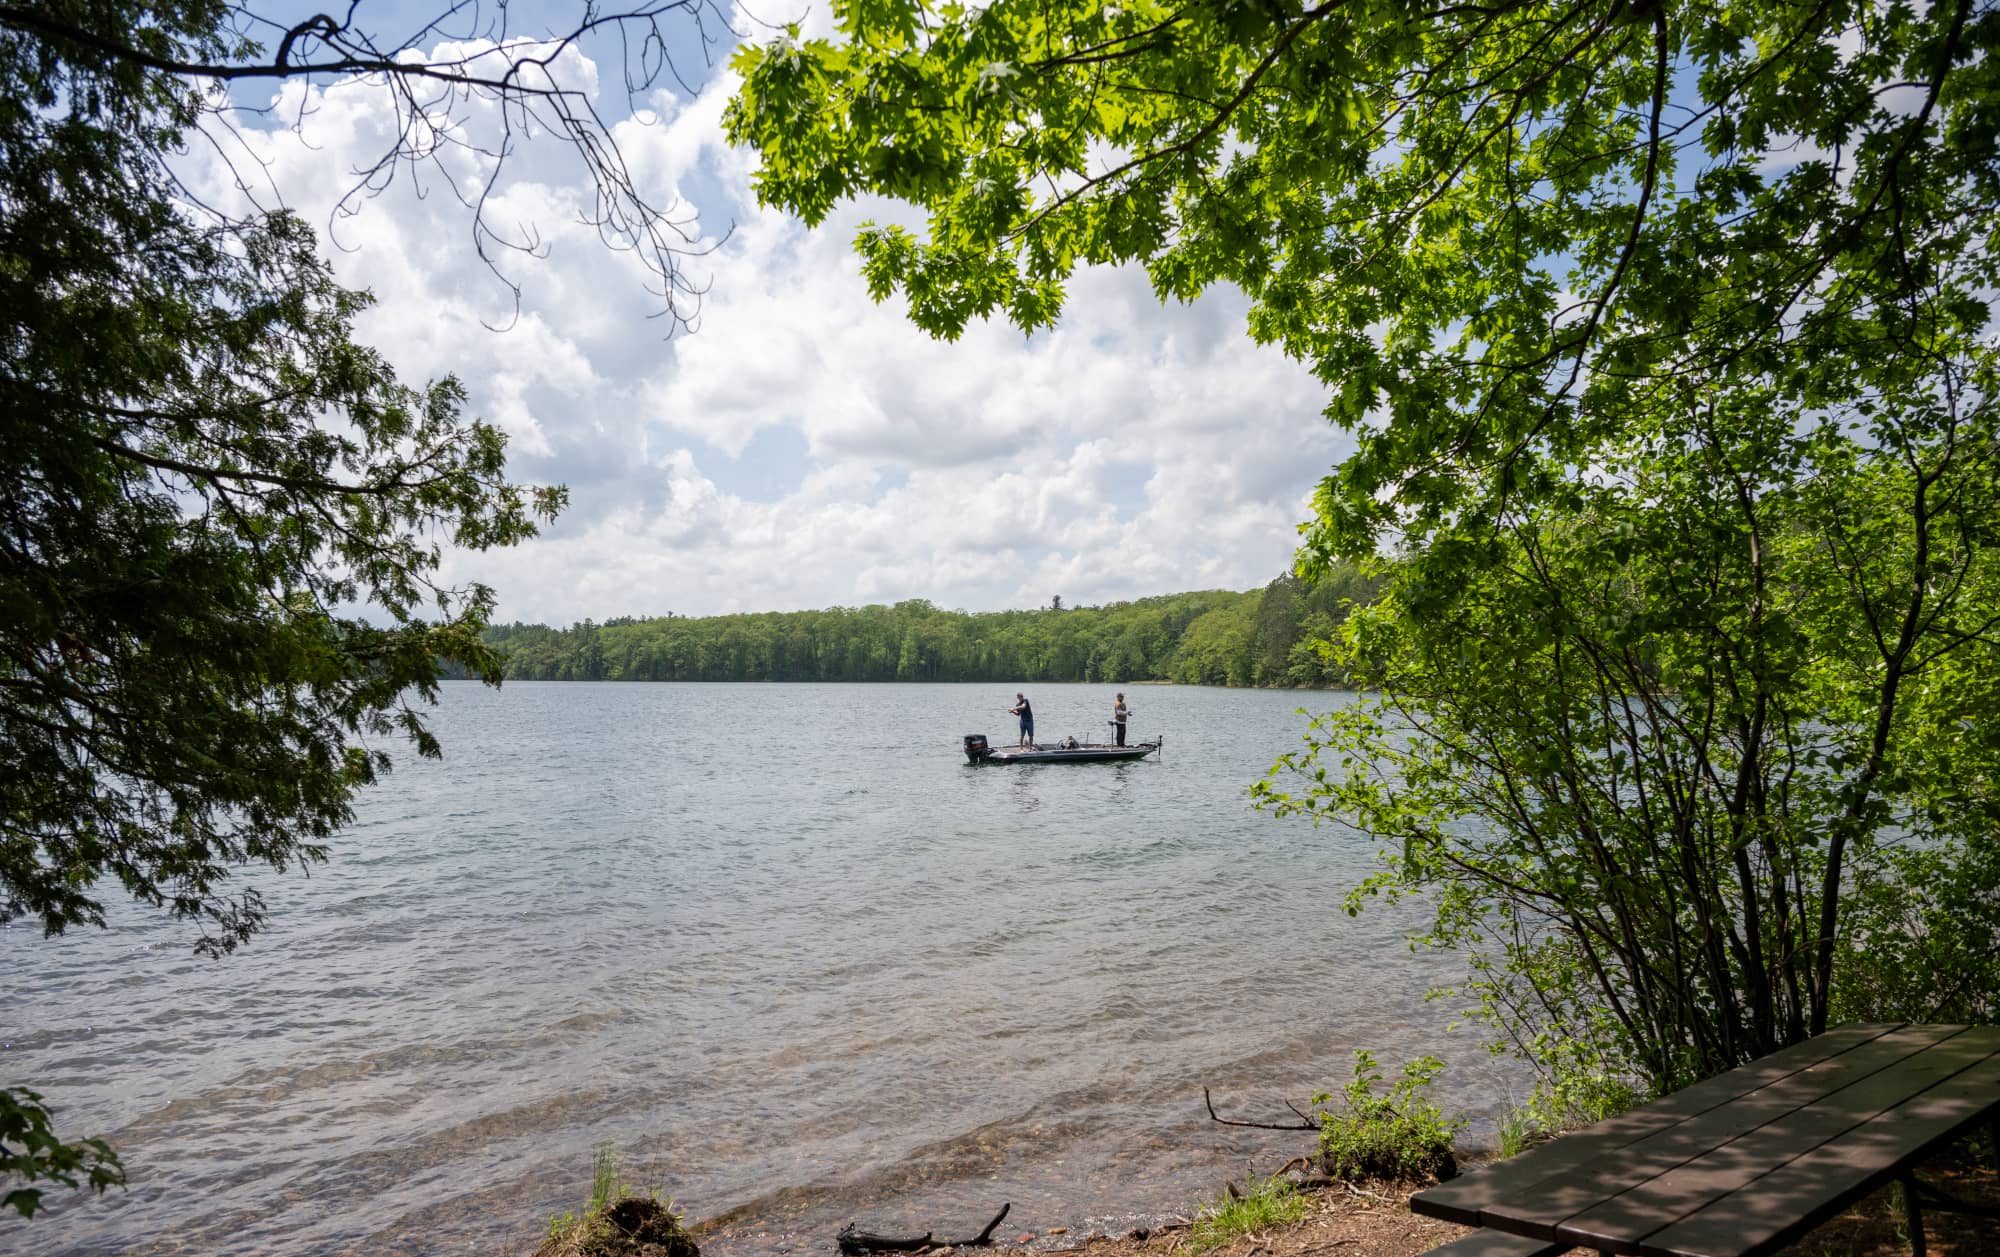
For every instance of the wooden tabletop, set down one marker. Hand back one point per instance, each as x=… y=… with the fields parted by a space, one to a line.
x=1746 y=1162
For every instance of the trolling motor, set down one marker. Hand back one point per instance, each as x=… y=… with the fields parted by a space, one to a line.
x=976 y=748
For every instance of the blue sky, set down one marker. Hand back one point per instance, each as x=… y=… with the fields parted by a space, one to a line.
x=804 y=447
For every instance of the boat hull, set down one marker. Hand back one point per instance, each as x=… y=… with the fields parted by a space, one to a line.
x=1091 y=754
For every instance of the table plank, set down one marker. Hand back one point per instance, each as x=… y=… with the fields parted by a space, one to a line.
x=1537 y=1208
x=1495 y=1244
x=1621 y=1221
x=1777 y=1209
x=1464 y=1198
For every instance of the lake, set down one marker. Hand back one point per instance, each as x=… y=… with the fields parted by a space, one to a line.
x=780 y=943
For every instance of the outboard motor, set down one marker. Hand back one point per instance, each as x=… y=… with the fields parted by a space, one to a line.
x=975 y=747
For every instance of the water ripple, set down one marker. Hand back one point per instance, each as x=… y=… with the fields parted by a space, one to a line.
x=780 y=943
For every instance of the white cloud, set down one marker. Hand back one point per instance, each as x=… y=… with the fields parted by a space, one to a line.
x=1134 y=449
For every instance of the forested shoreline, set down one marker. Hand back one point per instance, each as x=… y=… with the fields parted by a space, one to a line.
x=1262 y=637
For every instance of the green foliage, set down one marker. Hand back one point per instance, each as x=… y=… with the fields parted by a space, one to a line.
x=605 y=1187
x=1273 y=1203
x=1402 y=1135
x=31 y=1153
x=1267 y=637
x=604 y=1182
x=616 y=1222
x=207 y=480
x=222 y=515
x=1579 y=1089
x=1219 y=648
x=1519 y=1131
x=1570 y=1095
x=1477 y=225
x=1694 y=759
x=1923 y=935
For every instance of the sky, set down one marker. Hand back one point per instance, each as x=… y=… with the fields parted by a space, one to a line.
x=803 y=446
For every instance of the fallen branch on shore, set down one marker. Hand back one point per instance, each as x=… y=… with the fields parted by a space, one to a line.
x=1308 y=1180
x=853 y=1242
x=1304 y=1122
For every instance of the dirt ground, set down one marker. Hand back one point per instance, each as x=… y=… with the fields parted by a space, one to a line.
x=1348 y=1222
x=1377 y=1222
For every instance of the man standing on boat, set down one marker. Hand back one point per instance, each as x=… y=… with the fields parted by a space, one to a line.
x=1119 y=713
x=1027 y=715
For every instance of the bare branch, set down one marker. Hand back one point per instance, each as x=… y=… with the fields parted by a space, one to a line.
x=1304 y=1124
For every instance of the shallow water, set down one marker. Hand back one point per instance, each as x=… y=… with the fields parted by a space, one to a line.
x=780 y=943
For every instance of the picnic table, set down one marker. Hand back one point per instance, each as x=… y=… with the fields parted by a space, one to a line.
x=1746 y=1162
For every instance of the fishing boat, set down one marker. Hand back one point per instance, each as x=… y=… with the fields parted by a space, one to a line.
x=1067 y=751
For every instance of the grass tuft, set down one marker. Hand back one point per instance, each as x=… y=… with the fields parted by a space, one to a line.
x=1275 y=1203
x=1519 y=1131
x=617 y=1222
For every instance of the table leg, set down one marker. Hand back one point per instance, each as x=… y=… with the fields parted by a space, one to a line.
x=1913 y=1214
x=1993 y=1136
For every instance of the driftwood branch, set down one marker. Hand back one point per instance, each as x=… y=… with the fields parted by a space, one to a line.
x=1307 y=1180
x=853 y=1242
x=1304 y=1122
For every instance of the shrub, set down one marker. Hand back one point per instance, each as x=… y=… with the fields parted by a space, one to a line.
x=1919 y=943
x=1402 y=1135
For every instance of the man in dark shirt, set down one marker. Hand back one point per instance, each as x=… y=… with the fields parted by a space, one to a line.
x=1119 y=713
x=1027 y=715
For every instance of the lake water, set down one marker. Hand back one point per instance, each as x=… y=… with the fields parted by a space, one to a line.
x=801 y=962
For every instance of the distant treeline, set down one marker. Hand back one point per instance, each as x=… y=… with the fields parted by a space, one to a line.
x=1215 y=637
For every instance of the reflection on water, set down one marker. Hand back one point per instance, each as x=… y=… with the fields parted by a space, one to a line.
x=779 y=942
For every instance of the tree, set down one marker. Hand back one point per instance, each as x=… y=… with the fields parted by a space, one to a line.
x=222 y=515
x=1469 y=220
x=1199 y=636
x=1664 y=332
x=1696 y=764
x=1219 y=647
x=1277 y=629
x=468 y=91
